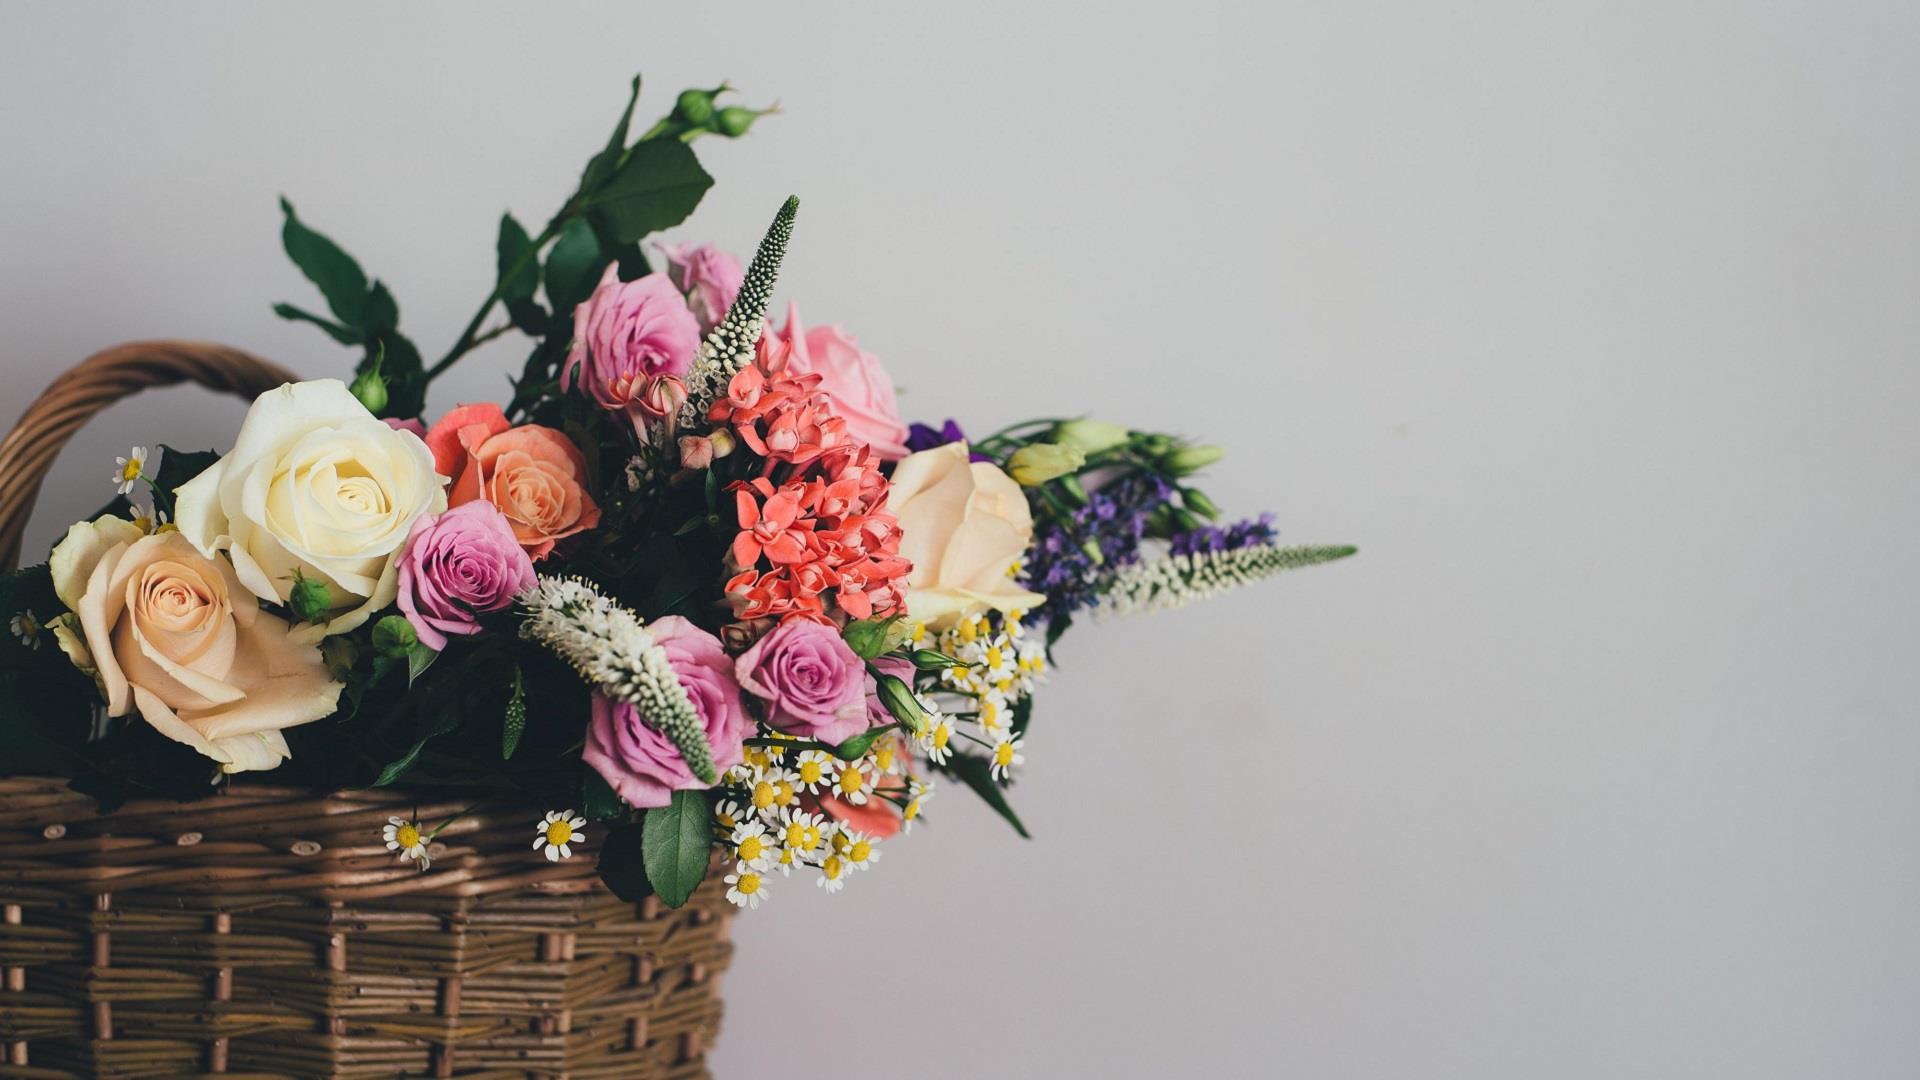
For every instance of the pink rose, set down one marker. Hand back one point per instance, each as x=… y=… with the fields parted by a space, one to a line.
x=414 y=426
x=641 y=764
x=626 y=336
x=534 y=474
x=457 y=566
x=813 y=683
x=708 y=277
x=861 y=391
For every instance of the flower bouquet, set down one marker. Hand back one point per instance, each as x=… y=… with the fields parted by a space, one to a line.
x=693 y=602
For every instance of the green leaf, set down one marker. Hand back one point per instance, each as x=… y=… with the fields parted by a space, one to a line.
x=527 y=316
x=337 y=275
x=621 y=865
x=677 y=840
x=603 y=162
x=597 y=800
x=856 y=748
x=573 y=266
x=515 y=723
x=176 y=468
x=977 y=773
x=342 y=334
x=657 y=186
x=516 y=261
x=382 y=311
x=419 y=659
x=1021 y=714
x=869 y=638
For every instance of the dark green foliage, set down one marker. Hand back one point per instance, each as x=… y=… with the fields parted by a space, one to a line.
x=977 y=773
x=676 y=841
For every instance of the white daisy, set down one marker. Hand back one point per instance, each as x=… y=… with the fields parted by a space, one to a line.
x=801 y=836
x=886 y=756
x=753 y=846
x=853 y=784
x=936 y=741
x=833 y=873
x=557 y=833
x=26 y=628
x=919 y=793
x=746 y=889
x=857 y=848
x=1006 y=754
x=406 y=838
x=127 y=470
x=813 y=770
x=153 y=521
x=729 y=814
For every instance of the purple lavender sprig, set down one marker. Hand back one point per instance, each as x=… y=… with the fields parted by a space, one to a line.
x=1069 y=555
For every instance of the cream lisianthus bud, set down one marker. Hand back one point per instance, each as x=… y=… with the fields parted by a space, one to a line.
x=1089 y=436
x=1037 y=463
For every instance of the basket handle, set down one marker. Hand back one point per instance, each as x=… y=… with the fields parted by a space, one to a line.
x=95 y=383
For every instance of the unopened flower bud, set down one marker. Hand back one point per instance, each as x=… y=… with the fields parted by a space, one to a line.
x=695 y=107
x=1089 y=436
x=663 y=397
x=371 y=390
x=733 y=121
x=1186 y=460
x=696 y=451
x=723 y=442
x=393 y=636
x=1197 y=501
x=1076 y=492
x=1153 y=444
x=309 y=599
x=1037 y=463
x=338 y=653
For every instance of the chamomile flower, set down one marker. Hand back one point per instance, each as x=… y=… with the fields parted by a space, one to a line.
x=746 y=888
x=771 y=790
x=853 y=784
x=936 y=741
x=153 y=521
x=857 y=848
x=833 y=873
x=813 y=770
x=729 y=814
x=407 y=840
x=886 y=755
x=27 y=628
x=753 y=847
x=992 y=716
x=801 y=835
x=919 y=793
x=127 y=470
x=1006 y=754
x=557 y=833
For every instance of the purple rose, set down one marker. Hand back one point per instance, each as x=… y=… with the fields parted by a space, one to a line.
x=708 y=277
x=458 y=565
x=813 y=684
x=641 y=764
x=627 y=336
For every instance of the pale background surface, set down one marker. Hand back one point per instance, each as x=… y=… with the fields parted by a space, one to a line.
x=1594 y=325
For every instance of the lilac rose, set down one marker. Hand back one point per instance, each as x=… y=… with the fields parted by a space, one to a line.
x=458 y=565
x=641 y=764
x=708 y=277
x=628 y=336
x=813 y=683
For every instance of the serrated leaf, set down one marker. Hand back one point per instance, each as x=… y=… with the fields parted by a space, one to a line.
x=676 y=842
x=336 y=274
x=515 y=261
x=621 y=865
x=977 y=773
x=655 y=188
x=573 y=266
x=342 y=334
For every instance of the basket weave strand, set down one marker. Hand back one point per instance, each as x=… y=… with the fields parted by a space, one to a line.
x=266 y=933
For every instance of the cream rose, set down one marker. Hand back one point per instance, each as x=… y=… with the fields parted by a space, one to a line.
x=314 y=487
x=169 y=632
x=963 y=525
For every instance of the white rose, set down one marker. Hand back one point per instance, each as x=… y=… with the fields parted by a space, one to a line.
x=963 y=525
x=314 y=487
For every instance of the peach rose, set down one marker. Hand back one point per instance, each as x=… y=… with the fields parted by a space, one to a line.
x=172 y=633
x=534 y=474
x=963 y=525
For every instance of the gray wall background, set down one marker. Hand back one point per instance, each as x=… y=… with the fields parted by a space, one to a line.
x=1594 y=324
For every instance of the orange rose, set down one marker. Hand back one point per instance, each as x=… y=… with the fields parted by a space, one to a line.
x=534 y=474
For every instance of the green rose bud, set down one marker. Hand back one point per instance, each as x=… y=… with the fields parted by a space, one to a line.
x=309 y=599
x=733 y=121
x=898 y=697
x=1037 y=463
x=1187 y=460
x=393 y=636
x=1153 y=444
x=695 y=107
x=371 y=390
x=1197 y=501
x=1089 y=436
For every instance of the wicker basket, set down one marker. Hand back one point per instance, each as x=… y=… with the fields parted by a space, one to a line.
x=267 y=933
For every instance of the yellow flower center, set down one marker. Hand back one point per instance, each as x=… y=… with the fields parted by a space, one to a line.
x=131 y=470
x=748 y=884
x=859 y=852
x=989 y=714
x=961 y=671
x=763 y=795
x=993 y=656
x=810 y=838
x=560 y=832
x=967 y=632
x=883 y=756
x=407 y=836
x=841 y=843
x=940 y=736
x=758 y=757
x=810 y=772
x=783 y=792
x=912 y=810
x=833 y=868
x=852 y=781
x=752 y=848
x=1003 y=754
